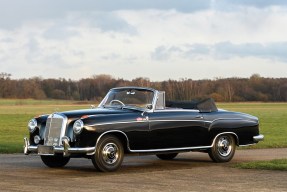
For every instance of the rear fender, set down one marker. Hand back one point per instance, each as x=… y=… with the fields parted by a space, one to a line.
x=230 y=124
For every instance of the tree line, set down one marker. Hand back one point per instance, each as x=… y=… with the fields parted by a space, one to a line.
x=255 y=88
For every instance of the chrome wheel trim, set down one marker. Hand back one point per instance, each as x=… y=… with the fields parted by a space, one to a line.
x=224 y=146
x=110 y=153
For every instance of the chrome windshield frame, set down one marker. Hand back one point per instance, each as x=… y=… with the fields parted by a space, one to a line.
x=155 y=95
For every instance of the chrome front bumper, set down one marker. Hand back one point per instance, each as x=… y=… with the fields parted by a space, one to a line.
x=65 y=149
x=258 y=138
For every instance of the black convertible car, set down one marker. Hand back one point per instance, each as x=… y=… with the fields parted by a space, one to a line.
x=139 y=120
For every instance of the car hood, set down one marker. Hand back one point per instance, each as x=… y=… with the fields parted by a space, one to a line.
x=96 y=111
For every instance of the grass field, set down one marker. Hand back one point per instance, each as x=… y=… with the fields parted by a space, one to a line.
x=276 y=164
x=14 y=115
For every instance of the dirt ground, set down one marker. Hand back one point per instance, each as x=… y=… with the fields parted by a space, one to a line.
x=188 y=172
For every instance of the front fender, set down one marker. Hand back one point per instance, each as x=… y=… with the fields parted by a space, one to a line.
x=96 y=126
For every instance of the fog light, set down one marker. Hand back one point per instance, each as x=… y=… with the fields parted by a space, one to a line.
x=37 y=139
x=66 y=139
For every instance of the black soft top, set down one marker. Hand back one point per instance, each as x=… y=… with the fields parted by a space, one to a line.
x=203 y=105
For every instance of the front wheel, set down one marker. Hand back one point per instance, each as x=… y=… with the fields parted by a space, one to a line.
x=109 y=154
x=55 y=161
x=223 y=148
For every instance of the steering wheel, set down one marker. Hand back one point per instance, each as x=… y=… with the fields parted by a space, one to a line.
x=117 y=101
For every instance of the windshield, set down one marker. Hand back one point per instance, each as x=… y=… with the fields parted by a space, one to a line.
x=134 y=98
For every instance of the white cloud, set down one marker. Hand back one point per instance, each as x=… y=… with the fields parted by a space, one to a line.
x=155 y=43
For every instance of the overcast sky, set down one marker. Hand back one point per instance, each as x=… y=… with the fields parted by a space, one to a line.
x=157 y=39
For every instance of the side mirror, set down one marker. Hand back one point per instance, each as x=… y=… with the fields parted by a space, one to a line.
x=149 y=106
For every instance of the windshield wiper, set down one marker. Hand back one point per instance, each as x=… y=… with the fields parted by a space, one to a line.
x=113 y=106
x=132 y=108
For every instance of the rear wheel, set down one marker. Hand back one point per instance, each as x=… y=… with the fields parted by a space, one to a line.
x=168 y=156
x=223 y=149
x=109 y=154
x=55 y=161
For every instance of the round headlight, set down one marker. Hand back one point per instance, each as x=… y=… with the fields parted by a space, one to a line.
x=78 y=126
x=32 y=125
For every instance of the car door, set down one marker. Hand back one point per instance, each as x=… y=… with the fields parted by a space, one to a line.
x=177 y=129
x=135 y=126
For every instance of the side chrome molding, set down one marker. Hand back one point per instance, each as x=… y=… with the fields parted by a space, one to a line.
x=166 y=149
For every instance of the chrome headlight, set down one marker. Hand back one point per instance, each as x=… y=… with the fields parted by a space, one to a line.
x=78 y=126
x=32 y=125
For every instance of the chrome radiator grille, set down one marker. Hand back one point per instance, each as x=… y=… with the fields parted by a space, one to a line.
x=55 y=129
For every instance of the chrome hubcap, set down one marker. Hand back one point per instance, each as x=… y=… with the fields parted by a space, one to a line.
x=224 y=146
x=110 y=153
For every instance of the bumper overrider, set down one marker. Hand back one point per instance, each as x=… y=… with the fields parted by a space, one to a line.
x=65 y=149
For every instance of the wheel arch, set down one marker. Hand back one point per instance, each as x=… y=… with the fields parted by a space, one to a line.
x=234 y=135
x=120 y=135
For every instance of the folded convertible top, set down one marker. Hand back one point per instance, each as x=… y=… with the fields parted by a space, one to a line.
x=204 y=105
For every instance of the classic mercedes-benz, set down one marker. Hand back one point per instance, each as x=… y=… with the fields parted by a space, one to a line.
x=139 y=120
